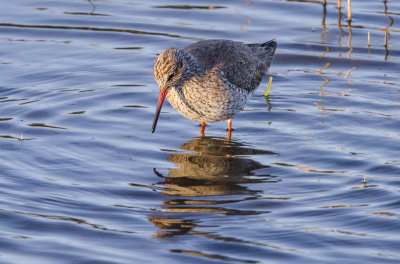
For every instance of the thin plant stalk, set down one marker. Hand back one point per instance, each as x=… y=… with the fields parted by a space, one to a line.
x=369 y=45
x=269 y=87
x=369 y=40
x=349 y=10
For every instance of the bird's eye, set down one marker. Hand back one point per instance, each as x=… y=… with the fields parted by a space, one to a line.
x=170 y=77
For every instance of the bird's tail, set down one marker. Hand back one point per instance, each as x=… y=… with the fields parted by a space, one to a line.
x=264 y=52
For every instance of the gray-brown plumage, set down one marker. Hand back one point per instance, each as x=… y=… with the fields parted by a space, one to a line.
x=211 y=80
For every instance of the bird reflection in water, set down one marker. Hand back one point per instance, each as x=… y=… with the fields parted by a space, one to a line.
x=216 y=167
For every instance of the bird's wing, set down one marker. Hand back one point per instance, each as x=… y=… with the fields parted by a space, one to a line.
x=264 y=52
x=233 y=59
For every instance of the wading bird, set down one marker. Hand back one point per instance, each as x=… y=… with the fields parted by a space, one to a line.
x=211 y=80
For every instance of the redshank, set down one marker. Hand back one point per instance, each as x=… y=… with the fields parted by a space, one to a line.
x=211 y=80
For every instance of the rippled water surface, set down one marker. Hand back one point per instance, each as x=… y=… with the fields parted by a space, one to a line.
x=83 y=179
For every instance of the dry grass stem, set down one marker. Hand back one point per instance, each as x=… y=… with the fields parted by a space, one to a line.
x=269 y=87
x=369 y=40
x=349 y=10
x=365 y=178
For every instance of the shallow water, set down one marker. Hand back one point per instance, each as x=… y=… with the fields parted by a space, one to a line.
x=90 y=183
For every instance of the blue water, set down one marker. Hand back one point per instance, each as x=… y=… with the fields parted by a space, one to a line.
x=90 y=183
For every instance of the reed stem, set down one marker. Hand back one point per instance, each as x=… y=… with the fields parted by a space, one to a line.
x=349 y=10
x=269 y=87
x=369 y=40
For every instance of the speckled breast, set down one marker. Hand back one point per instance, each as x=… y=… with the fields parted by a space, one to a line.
x=208 y=103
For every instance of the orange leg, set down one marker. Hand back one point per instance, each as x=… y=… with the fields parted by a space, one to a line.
x=229 y=129
x=203 y=126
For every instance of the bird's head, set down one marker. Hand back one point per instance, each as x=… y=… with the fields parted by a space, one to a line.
x=168 y=69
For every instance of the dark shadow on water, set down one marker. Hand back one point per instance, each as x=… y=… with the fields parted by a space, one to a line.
x=209 y=169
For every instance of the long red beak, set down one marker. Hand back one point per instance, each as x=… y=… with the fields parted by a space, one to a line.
x=161 y=99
